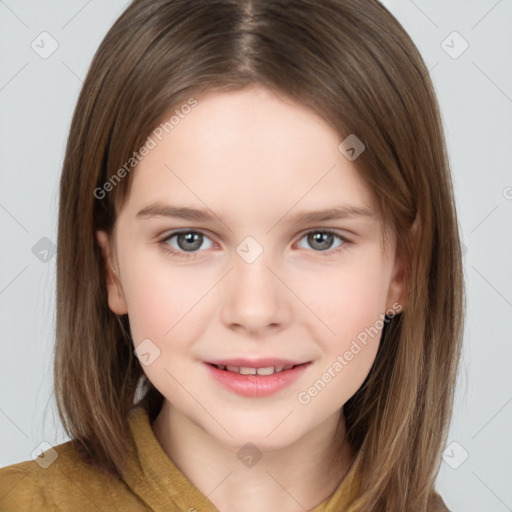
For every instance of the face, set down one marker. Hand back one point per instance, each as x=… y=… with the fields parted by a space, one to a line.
x=252 y=277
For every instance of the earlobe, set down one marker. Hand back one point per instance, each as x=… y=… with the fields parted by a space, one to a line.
x=116 y=299
x=397 y=296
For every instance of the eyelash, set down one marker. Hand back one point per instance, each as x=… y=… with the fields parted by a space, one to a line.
x=182 y=254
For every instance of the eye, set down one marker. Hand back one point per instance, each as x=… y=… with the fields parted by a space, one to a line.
x=188 y=243
x=322 y=241
x=183 y=242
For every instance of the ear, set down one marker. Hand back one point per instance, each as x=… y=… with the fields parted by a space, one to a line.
x=397 y=292
x=116 y=299
x=397 y=296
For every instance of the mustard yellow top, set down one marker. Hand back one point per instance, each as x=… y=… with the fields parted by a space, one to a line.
x=152 y=482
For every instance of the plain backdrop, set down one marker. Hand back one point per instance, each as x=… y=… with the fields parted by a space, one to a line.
x=46 y=48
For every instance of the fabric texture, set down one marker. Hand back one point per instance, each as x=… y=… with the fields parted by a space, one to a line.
x=152 y=482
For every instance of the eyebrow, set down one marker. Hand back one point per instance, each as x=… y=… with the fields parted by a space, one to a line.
x=207 y=215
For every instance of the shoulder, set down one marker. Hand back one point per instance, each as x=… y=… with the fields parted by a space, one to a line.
x=59 y=480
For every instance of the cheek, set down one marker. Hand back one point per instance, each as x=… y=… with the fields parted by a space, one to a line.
x=165 y=306
x=349 y=302
x=160 y=297
x=347 y=298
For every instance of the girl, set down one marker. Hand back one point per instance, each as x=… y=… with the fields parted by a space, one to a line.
x=260 y=295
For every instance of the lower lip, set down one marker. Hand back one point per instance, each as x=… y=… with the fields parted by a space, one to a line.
x=257 y=386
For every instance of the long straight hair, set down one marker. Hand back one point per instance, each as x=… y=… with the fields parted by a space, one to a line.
x=350 y=61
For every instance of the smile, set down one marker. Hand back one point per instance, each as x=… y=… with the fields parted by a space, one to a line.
x=244 y=370
x=256 y=381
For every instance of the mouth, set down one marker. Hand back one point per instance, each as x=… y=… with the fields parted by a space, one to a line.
x=256 y=378
x=253 y=370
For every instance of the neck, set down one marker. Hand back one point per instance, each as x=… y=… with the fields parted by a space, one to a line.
x=289 y=479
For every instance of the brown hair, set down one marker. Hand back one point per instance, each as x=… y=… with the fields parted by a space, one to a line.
x=353 y=63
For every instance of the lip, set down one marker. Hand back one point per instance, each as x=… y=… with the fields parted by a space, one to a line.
x=262 y=362
x=256 y=386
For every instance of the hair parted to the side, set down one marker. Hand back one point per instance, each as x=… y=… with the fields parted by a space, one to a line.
x=352 y=62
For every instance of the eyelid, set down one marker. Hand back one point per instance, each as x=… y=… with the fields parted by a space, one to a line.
x=176 y=232
x=205 y=233
x=334 y=231
x=328 y=252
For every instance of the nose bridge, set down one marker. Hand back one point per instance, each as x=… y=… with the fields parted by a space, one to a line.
x=255 y=275
x=254 y=298
x=251 y=271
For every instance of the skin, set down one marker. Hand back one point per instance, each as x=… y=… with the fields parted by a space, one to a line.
x=255 y=159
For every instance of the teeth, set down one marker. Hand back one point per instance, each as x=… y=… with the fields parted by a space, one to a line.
x=266 y=371
x=243 y=370
x=247 y=371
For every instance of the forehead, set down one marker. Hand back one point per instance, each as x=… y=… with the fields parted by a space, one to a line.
x=250 y=152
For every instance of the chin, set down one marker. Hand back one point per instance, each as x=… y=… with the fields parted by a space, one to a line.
x=266 y=435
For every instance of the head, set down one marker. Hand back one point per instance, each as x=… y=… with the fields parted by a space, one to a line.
x=255 y=282
x=241 y=109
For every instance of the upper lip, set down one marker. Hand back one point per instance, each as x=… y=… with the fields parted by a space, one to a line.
x=264 y=362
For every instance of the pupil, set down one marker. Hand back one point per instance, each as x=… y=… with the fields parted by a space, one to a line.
x=324 y=240
x=193 y=240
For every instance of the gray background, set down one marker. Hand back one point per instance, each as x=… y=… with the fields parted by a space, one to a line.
x=37 y=97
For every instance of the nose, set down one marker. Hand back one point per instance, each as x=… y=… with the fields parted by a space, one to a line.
x=255 y=299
